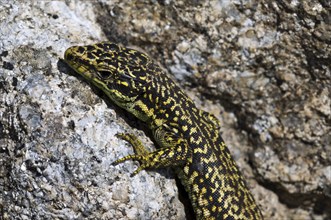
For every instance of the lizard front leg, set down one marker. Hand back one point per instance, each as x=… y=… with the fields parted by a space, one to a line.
x=175 y=152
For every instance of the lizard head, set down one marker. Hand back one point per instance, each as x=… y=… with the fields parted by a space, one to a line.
x=122 y=73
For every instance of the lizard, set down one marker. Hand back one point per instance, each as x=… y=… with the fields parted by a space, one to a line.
x=188 y=138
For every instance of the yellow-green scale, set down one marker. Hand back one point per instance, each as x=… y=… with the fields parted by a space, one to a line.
x=188 y=138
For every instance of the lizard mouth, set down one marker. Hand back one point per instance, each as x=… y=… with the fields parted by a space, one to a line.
x=73 y=58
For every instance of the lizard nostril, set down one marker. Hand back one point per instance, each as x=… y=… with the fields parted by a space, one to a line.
x=68 y=54
x=81 y=50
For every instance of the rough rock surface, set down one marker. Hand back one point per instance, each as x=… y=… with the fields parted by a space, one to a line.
x=262 y=67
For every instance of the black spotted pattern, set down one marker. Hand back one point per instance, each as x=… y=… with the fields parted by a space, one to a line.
x=188 y=138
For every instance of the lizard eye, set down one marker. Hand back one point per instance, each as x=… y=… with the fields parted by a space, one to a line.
x=104 y=74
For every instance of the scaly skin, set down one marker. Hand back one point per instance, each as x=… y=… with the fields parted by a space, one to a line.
x=188 y=138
